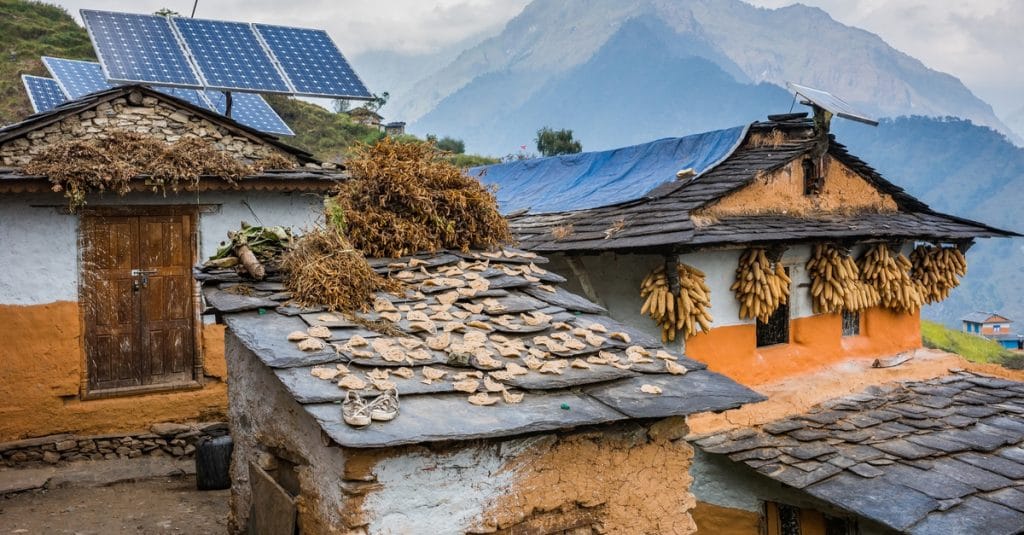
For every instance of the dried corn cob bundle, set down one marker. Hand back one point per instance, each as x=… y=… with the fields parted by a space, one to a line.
x=936 y=270
x=835 y=282
x=674 y=313
x=760 y=287
x=890 y=275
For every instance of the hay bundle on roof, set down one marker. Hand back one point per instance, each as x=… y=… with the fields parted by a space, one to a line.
x=406 y=197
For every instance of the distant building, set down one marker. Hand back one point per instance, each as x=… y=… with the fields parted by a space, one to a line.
x=395 y=128
x=994 y=327
x=366 y=117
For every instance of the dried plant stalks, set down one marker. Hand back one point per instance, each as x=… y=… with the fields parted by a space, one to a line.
x=323 y=269
x=685 y=311
x=110 y=164
x=936 y=271
x=760 y=287
x=890 y=275
x=404 y=198
x=835 y=282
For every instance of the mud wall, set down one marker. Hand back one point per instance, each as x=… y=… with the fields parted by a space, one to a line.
x=40 y=317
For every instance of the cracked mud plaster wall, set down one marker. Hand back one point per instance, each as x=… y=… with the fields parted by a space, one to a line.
x=624 y=478
x=782 y=192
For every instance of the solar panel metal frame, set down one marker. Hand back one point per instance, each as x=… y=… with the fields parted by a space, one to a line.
x=191 y=56
x=31 y=97
x=825 y=100
x=72 y=95
x=177 y=39
x=369 y=96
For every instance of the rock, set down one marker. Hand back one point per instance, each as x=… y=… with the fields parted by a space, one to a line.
x=19 y=457
x=123 y=450
x=190 y=449
x=134 y=454
x=110 y=456
x=96 y=456
x=177 y=451
x=51 y=457
x=65 y=445
x=169 y=429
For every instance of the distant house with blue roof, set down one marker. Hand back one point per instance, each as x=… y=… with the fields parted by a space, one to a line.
x=994 y=327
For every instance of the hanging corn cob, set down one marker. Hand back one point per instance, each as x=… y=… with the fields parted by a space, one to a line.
x=835 y=282
x=936 y=271
x=760 y=288
x=683 y=312
x=890 y=275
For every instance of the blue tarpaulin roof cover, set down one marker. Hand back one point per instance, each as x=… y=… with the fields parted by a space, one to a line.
x=594 y=179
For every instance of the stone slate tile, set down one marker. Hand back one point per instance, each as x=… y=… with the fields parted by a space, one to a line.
x=811 y=450
x=1012 y=436
x=337 y=320
x=866 y=470
x=933 y=402
x=904 y=449
x=1010 y=497
x=808 y=434
x=1005 y=422
x=229 y=303
x=447 y=417
x=796 y=477
x=862 y=420
x=569 y=378
x=565 y=299
x=842 y=462
x=808 y=466
x=882 y=415
x=994 y=463
x=893 y=505
x=782 y=426
x=932 y=483
x=859 y=435
x=882 y=462
x=996 y=392
x=937 y=442
x=976 y=437
x=972 y=516
x=897 y=427
x=958 y=420
x=976 y=411
x=1010 y=407
x=925 y=424
x=859 y=453
x=266 y=335
x=746 y=444
x=989 y=382
x=936 y=390
x=977 y=398
x=289 y=310
x=824 y=417
x=1014 y=454
x=696 y=391
x=972 y=475
x=761 y=454
x=636 y=336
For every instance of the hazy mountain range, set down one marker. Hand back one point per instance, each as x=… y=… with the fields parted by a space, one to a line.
x=627 y=72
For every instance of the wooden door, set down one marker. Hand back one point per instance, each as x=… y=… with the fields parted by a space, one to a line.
x=137 y=298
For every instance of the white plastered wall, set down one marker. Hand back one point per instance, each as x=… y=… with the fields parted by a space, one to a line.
x=39 y=239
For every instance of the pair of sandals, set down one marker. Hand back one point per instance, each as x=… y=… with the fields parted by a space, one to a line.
x=358 y=413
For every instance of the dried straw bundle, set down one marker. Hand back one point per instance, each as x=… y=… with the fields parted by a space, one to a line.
x=406 y=197
x=325 y=270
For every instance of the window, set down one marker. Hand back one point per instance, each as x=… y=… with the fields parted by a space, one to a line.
x=813 y=181
x=781 y=519
x=776 y=329
x=851 y=323
x=996 y=328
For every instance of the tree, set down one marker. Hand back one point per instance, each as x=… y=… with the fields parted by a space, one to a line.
x=452 y=145
x=552 y=142
x=341 y=105
x=377 y=102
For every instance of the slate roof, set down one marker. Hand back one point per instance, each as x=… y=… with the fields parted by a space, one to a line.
x=942 y=456
x=660 y=221
x=517 y=293
x=985 y=317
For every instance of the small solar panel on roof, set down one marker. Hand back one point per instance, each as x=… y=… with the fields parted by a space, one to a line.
x=830 y=102
x=312 y=62
x=252 y=111
x=139 y=48
x=76 y=78
x=229 y=56
x=43 y=93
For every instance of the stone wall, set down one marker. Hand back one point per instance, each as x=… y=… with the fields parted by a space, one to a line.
x=162 y=439
x=152 y=116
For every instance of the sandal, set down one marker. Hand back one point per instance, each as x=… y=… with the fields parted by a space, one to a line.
x=355 y=411
x=385 y=407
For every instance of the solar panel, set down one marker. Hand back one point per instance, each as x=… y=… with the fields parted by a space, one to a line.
x=139 y=49
x=76 y=78
x=192 y=96
x=252 y=111
x=830 y=102
x=229 y=56
x=43 y=93
x=312 y=62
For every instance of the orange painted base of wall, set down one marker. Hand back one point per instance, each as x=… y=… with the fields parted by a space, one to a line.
x=716 y=520
x=40 y=377
x=815 y=343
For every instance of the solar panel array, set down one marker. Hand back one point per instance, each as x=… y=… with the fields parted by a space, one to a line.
x=43 y=93
x=830 y=102
x=252 y=111
x=139 y=49
x=312 y=62
x=77 y=78
x=231 y=56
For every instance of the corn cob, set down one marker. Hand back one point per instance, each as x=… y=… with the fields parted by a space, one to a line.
x=677 y=313
x=760 y=287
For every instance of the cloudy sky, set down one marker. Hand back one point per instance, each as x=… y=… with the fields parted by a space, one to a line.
x=978 y=41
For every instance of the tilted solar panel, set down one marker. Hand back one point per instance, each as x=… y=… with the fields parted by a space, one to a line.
x=229 y=56
x=312 y=62
x=76 y=78
x=43 y=93
x=139 y=49
x=192 y=96
x=252 y=111
x=830 y=102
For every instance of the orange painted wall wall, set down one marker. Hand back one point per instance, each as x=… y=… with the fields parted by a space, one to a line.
x=714 y=519
x=40 y=377
x=815 y=342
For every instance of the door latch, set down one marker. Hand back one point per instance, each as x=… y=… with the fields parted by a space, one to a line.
x=143 y=278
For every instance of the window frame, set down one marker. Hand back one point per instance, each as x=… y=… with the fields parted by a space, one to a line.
x=851 y=323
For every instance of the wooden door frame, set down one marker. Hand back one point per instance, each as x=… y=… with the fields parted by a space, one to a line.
x=197 y=323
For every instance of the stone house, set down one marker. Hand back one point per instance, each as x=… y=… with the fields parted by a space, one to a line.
x=577 y=445
x=99 y=313
x=787 y=187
